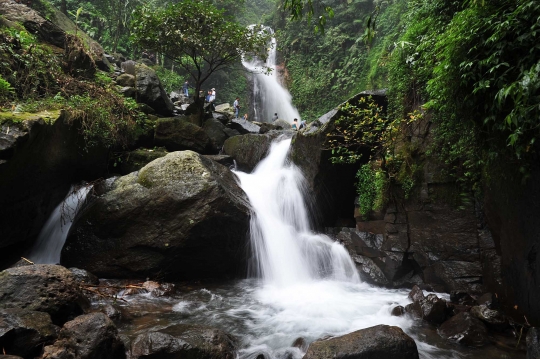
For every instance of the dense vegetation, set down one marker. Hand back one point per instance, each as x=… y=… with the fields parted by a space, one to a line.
x=469 y=67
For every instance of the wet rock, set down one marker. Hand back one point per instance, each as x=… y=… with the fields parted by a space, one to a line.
x=10 y=357
x=111 y=311
x=489 y=299
x=248 y=150
x=89 y=336
x=182 y=216
x=416 y=294
x=151 y=92
x=460 y=297
x=184 y=341
x=493 y=318
x=84 y=276
x=244 y=126
x=533 y=343
x=159 y=289
x=24 y=332
x=464 y=329
x=381 y=341
x=300 y=343
x=369 y=270
x=397 y=311
x=266 y=127
x=455 y=309
x=178 y=134
x=44 y=288
x=216 y=132
x=433 y=309
x=414 y=310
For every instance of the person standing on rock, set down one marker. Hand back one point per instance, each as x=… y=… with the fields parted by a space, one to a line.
x=236 y=106
x=275 y=117
x=213 y=95
x=295 y=124
x=185 y=88
x=245 y=117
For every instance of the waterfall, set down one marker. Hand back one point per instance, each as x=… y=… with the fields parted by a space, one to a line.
x=269 y=96
x=53 y=235
x=285 y=249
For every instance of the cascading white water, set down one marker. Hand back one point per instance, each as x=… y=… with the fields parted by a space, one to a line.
x=285 y=249
x=269 y=95
x=53 y=235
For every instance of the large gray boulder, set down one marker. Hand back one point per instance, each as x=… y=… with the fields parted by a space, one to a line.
x=42 y=287
x=216 y=132
x=184 y=341
x=379 y=342
x=248 y=150
x=90 y=336
x=244 y=126
x=150 y=91
x=24 y=332
x=182 y=216
x=178 y=134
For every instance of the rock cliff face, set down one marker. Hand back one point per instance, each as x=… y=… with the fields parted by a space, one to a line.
x=41 y=155
x=512 y=209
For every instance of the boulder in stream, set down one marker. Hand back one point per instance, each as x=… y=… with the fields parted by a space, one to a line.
x=464 y=329
x=89 y=336
x=248 y=150
x=182 y=216
x=178 y=134
x=379 y=342
x=24 y=332
x=42 y=287
x=184 y=341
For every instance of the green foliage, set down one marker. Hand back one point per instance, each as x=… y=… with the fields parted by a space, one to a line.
x=475 y=67
x=5 y=88
x=32 y=69
x=170 y=80
x=324 y=69
x=371 y=187
x=360 y=129
x=196 y=36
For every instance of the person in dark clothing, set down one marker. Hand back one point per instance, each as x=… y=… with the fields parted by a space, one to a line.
x=275 y=117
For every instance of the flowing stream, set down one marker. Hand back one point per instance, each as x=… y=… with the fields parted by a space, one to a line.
x=53 y=235
x=301 y=285
x=269 y=96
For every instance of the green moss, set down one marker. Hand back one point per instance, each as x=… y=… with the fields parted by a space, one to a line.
x=18 y=117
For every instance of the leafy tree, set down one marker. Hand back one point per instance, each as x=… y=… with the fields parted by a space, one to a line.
x=197 y=36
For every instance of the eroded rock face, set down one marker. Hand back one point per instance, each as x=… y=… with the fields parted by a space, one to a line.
x=182 y=216
x=89 y=336
x=331 y=185
x=178 y=134
x=248 y=150
x=216 y=132
x=184 y=341
x=42 y=287
x=24 y=332
x=379 y=342
x=464 y=329
x=493 y=318
x=151 y=92
x=533 y=343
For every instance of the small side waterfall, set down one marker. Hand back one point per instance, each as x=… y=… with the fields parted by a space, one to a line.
x=269 y=96
x=54 y=233
x=285 y=250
